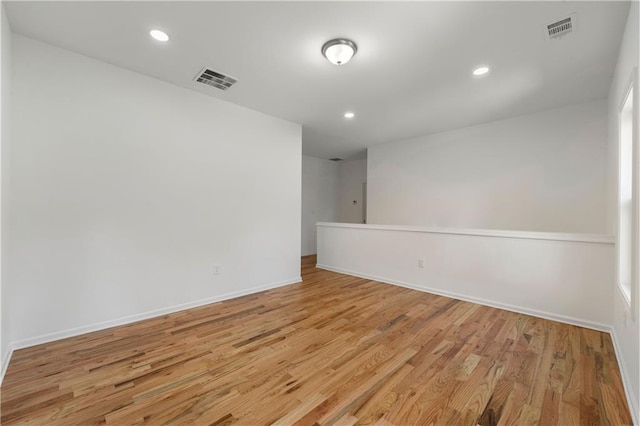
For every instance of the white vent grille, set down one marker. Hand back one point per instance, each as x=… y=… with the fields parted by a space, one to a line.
x=215 y=79
x=561 y=28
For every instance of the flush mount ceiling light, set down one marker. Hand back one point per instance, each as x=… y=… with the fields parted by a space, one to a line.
x=159 y=35
x=480 y=71
x=339 y=50
x=349 y=114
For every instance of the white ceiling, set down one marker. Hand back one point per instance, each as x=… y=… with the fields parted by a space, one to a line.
x=411 y=75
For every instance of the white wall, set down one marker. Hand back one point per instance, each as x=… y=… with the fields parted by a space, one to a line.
x=626 y=324
x=538 y=172
x=320 y=198
x=353 y=173
x=127 y=190
x=5 y=135
x=329 y=190
x=559 y=276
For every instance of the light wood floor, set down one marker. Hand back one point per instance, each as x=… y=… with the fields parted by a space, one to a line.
x=332 y=350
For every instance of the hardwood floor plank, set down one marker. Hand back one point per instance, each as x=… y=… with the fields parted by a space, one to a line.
x=301 y=410
x=514 y=405
x=332 y=350
x=382 y=400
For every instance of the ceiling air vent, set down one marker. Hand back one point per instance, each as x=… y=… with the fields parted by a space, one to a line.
x=215 y=79
x=561 y=28
x=335 y=159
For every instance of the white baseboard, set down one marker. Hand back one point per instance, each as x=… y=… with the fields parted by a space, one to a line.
x=5 y=362
x=632 y=399
x=507 y=307
x=50 y=337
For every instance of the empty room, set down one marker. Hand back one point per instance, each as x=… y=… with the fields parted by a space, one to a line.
x=319 y=213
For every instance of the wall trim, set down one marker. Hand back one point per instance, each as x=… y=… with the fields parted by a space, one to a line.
x=5 y=364
x=497 y=233
x=486 y=302
x=71 y=332
x=626 y=381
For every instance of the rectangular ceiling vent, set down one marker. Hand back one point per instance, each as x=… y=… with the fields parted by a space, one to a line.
x=561 y=28
x=215 y=79
x=335 y=159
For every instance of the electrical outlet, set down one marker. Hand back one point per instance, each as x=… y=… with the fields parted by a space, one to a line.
x=216 y=269
x=420 y=263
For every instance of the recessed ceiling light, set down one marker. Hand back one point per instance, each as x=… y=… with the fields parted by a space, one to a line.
x=159 y=35
x=480 y=71
x=339 y=51
x=349 y=115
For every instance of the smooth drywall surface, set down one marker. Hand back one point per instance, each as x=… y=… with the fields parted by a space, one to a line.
x=5 y=154
x=331 y=191
x=626 y=322
x=562 y=280
x=539 y=172
x=128 y=190
x=353 y=175
x=320 y=189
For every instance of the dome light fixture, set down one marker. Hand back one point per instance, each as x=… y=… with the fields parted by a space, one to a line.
x=339 y=51
x=480 y=71
x=349 y=114
x=159 y=35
